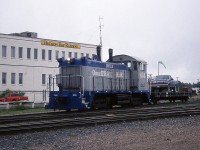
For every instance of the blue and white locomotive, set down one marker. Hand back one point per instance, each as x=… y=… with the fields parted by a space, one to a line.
x=86 y=83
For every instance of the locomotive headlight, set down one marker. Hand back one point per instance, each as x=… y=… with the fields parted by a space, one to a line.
x=68 y=60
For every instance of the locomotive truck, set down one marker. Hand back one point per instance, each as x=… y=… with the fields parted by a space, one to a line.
x=89 y=83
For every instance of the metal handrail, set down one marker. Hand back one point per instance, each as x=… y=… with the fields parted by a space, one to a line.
x=69 y=76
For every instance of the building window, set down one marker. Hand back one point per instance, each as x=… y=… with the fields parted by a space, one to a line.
x=43 y=79
x=50 y=54
x=43 y=54
x=20 y=52
x=87 y=55
x=4 y=77
x=20 y=78
x=129 y=64
x=57 y=54
x=63 y=54
x=142 y=66
x=12 y=78
x=82 y=54
x=28 y=53
x=35 y=53
x=75 y=55
x=70 y=54
x=12 y=52
x=3 y=51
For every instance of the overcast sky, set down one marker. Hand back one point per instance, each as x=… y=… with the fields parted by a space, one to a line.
x=153 y=30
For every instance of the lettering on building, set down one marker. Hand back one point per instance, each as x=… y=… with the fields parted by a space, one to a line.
x=60 y=44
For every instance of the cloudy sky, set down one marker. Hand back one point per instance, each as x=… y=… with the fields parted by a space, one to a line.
x=154 y=30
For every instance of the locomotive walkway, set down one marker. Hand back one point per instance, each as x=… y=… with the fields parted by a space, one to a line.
x=55 y=120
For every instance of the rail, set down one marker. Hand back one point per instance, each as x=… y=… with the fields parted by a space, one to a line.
x=45 y=121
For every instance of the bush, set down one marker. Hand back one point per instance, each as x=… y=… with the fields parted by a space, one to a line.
x=20 y=93
x=21 y=107
x=7 y=91
x=4 y=93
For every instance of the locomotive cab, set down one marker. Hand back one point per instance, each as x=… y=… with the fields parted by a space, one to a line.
x=138 y=75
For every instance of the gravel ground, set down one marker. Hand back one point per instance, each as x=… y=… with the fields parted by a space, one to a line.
x=160 y=134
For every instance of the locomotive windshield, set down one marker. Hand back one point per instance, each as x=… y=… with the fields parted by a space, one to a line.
x=69 y=77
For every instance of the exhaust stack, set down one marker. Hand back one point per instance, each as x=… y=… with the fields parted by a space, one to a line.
x=110 y=51
x=99 y=53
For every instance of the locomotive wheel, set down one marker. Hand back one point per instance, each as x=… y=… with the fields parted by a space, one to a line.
x=108 y=102
x=172 y=100
x=131 y=102
x=184 y=100
x=102 y=102
x=155 y=101
x=138 y=101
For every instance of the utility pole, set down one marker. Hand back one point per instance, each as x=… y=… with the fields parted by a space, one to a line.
x=160 y=62
x=100 y=26
x=149 y=81
x=150 y=76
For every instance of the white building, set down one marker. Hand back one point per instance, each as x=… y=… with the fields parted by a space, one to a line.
x=26 y=62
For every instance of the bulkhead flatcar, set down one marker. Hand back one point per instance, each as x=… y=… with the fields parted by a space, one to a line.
x=164 y=87
x=86 y=83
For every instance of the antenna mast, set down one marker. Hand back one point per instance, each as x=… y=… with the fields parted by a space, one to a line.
x=100 y=25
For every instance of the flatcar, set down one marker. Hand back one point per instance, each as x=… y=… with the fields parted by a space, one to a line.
x=89 y=83
x=164 y=87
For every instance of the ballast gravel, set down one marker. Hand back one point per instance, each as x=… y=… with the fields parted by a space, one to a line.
x=161 y=134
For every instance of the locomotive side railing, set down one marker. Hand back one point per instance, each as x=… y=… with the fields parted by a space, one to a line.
x=113 y=84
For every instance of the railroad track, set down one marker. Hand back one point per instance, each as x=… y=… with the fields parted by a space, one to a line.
x=32 y=122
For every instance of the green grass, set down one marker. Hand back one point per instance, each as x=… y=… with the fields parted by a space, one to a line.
x=21 y=109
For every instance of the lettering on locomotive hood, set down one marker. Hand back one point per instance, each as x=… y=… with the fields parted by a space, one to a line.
x=108 y=73
x=109 y=65
x=102 y=73
x=119 y=74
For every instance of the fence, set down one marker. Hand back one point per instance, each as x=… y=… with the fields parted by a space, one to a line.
x=35 y=96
